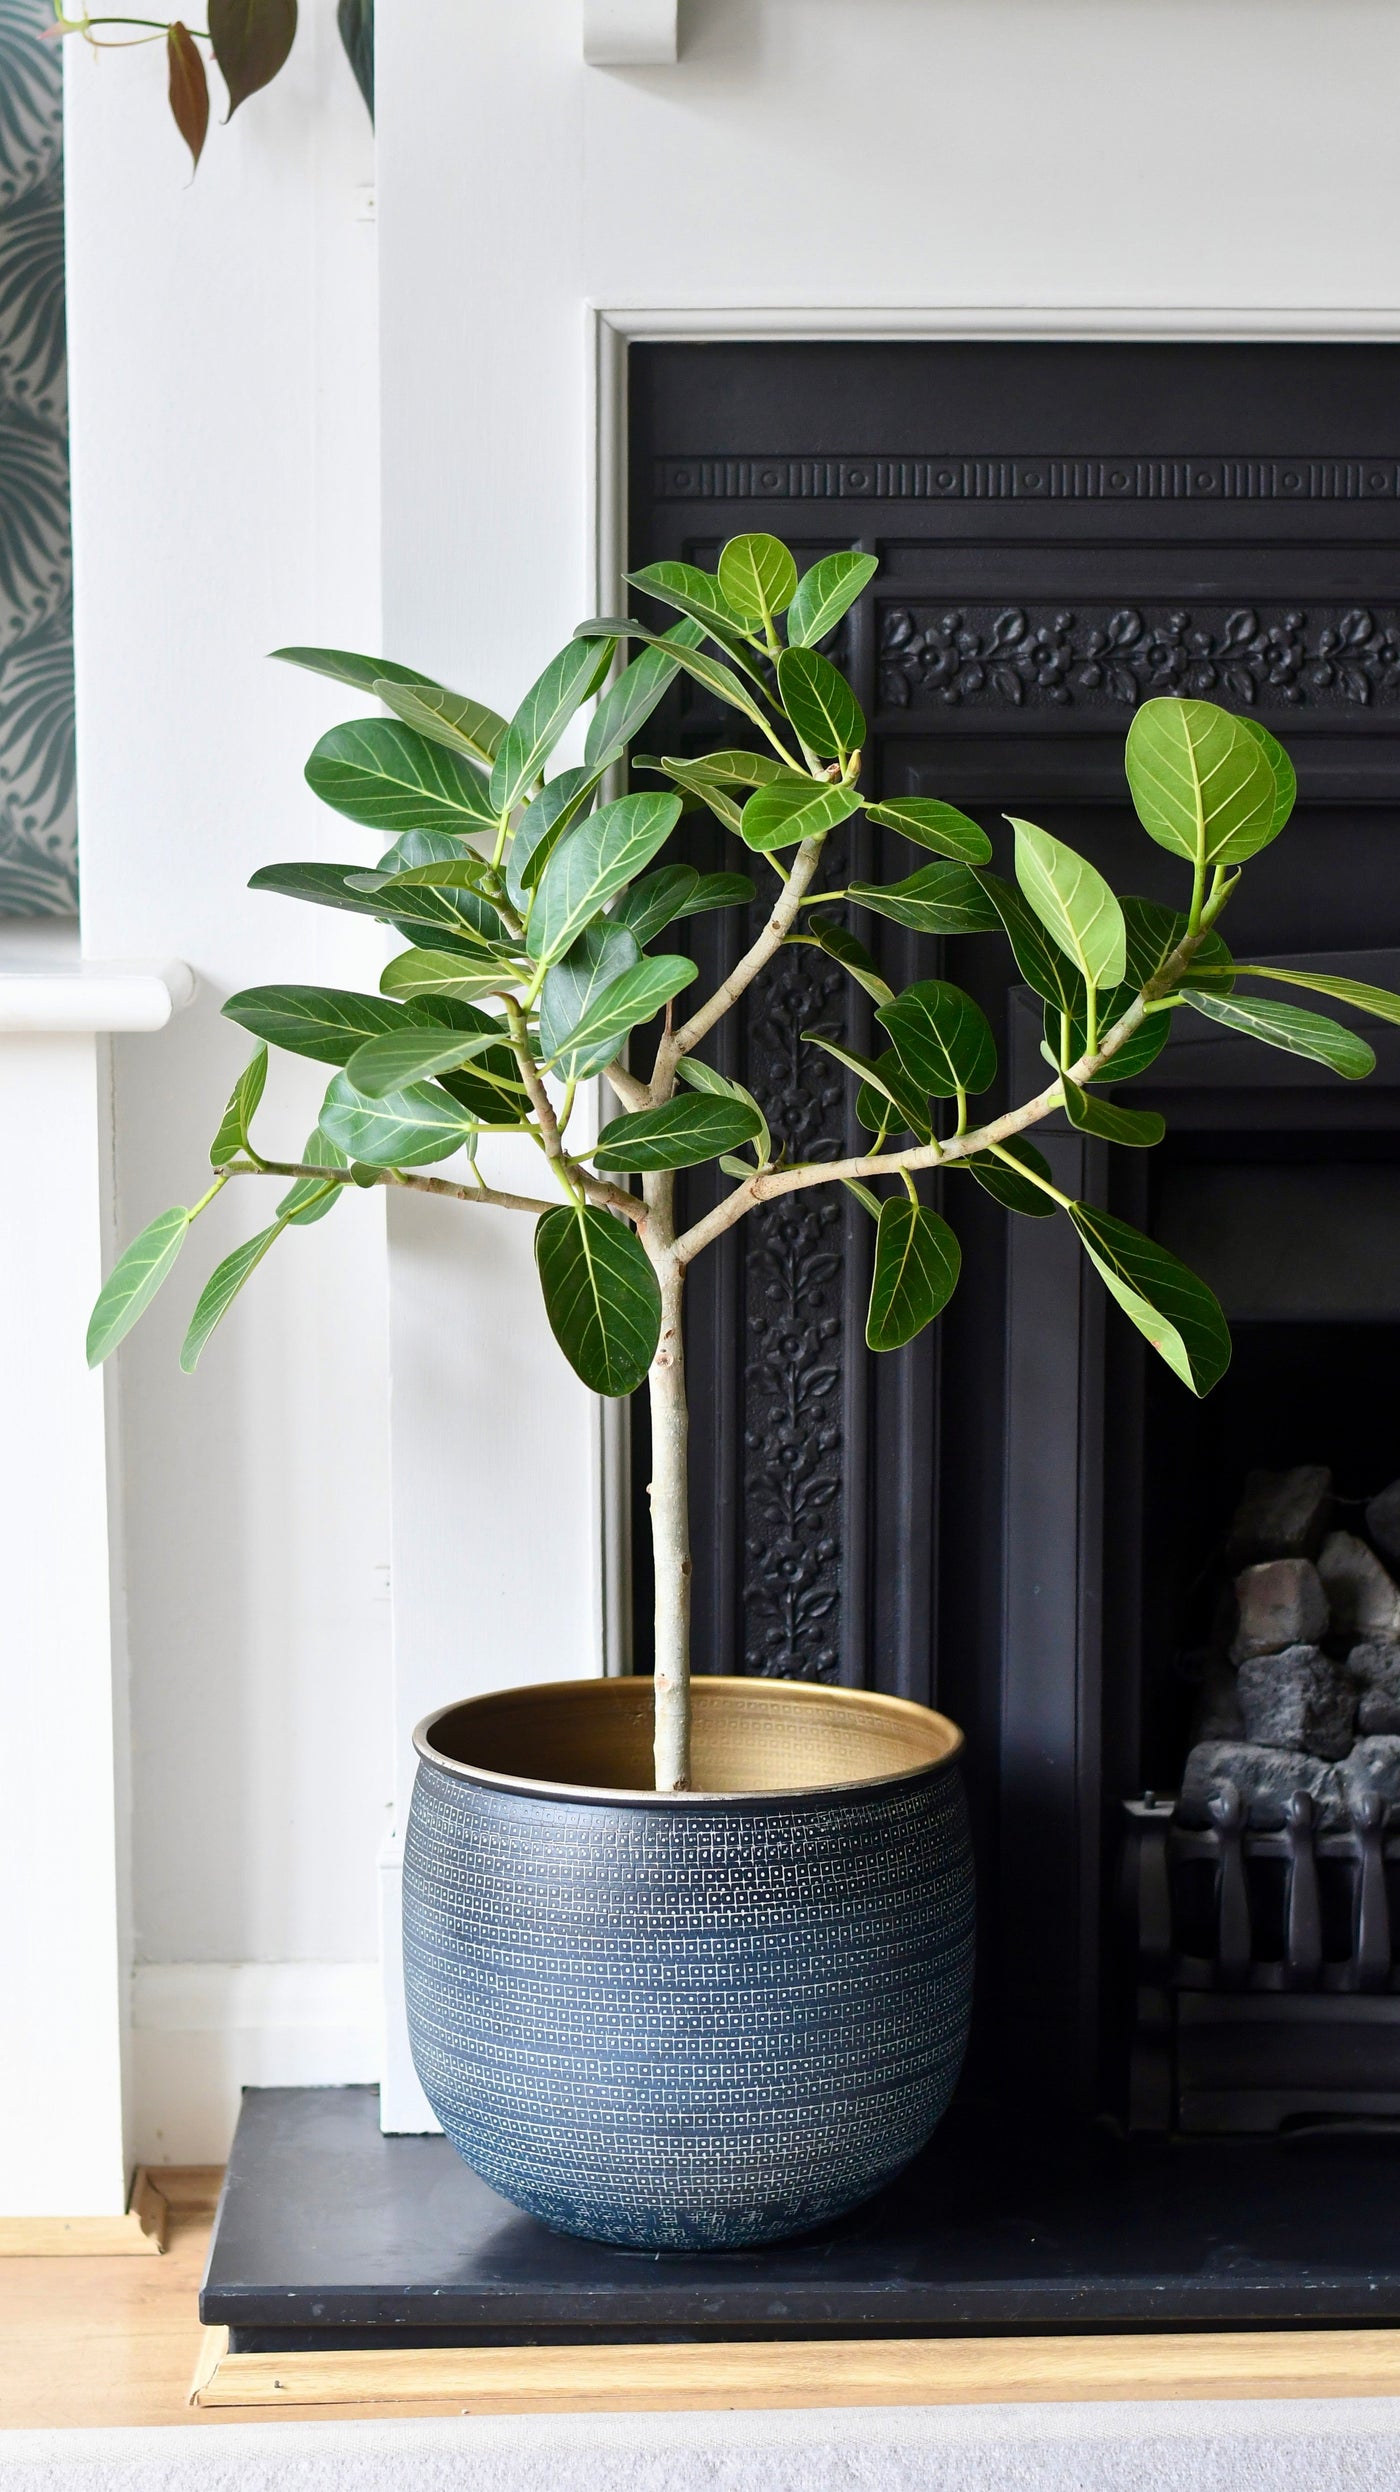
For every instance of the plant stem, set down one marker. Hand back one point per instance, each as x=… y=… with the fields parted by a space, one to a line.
x=670 y=1499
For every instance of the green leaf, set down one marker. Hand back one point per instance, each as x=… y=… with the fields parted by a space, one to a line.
x=418 y=973
x=545 y=712
x=133 y=1281
x=679 y=1134
x=601 y=1296
x=377 y=771
x=931 y=824
x=867 y=1200
x=708 y=793
x=628 y=703
x=633 y=997
x=1005 y=1187
x=306 y=1201
x=942 y=1038
x=390 y=1063
x=1201 y=782
x=837 y=941
x=232 y=1135
x=346 y=666
x=757 y=577
x=1169 y=1305
x=1284 y=1025
x=825 y=593
x=1154 y=934
x=938 y=899
x=703 y=1077
x=1041 y=963
x=820 y=703
x=543 y=823
x=327 y=1023
x=220 y=1290
x=602 y=853
x=1073 y=903
x=407 y=1130
x=459 y=873
x=718 y=891
x=697 y=594
x=697 y=663
x=603 y=951
x=251 y=40
x=795 y=808
x=646 y=906
x=917 y=1258
x=1135 y=1055
x=1138 y=1128
x=1373 y=999
x=727 y=768
x=904 y=1109
x=1284 y=774
x=444 y=717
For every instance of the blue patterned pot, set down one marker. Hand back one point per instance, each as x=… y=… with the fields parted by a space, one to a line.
x=688 y=2020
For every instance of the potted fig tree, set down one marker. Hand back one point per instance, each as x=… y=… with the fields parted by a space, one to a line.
x=690 y=1962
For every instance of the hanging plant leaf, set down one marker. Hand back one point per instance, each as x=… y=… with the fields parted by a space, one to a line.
x=837 y=941
x=703 y=1077
x=1171 y=1308
x=133 y=1281
x=346 y=666
x=917 y=1259
x=1005 y=1187
x=933 y=825
x=1298 y=1033
x=355 y=18
x=825 y=593
x=942 y=1038
x=188 y=87
x=222 y=1287
x=601 y=1296
x=679 y=1134
x=251 y=40
x=1372 y=999
x=1137 y=1128
x=307 y=1202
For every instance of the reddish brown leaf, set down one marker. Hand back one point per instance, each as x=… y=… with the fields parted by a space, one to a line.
x=251 y=40
x=189 y=87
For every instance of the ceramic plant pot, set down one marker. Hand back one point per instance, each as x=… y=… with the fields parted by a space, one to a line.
x=688 y=2020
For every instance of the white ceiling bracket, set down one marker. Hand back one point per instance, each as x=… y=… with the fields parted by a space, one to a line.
x=630 y=34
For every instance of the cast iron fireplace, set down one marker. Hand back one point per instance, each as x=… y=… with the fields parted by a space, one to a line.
x=1063 y=532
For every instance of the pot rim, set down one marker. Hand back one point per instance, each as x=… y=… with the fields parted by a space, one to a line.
x=798 y=1691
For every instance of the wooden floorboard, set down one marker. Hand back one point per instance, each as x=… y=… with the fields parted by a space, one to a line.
x=118 y=2341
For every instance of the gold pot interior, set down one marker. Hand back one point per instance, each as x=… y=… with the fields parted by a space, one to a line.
x=748 y=1735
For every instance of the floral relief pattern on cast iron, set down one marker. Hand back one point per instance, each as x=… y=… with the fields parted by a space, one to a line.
x=795 y=1344
x=1319 y=657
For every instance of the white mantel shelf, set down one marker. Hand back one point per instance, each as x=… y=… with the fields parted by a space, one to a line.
x=47 y=989
x=630 y=34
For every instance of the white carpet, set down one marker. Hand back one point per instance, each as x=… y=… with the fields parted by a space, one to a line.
x=1312 y=2445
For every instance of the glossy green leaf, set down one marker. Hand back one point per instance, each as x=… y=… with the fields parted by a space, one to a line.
x=232 y=1136
x=1013 y=1192
x=931 y=824
x=867 y=1200
x=397 y=1058
x=601 y=1296
x=1074 y=904
x=327 y=1023
x=1201 y=782
x=1042 y=964
x=825 y=593
x=680 y=1134
x=542 y=825
x=407 y=1130
x=757 y=577
x=820 y=703
x=696 y=593
x=718 y=891
x=1376 y=1000
x=839 y=944
x=707 y=791
x=888 y=1101
x=459 y=873
x=220 y=1290
x=938 y=899
x=444 y=717
x=251 y=40
x=346 y=666
x=567 y=682
x=425 y=972
x=571 y=988
x=728 y=767
x=1284 y=775
x=377 y=771
x=703 y=1077
x=1172 y=1308
x=624 y=1002
x=1153 y=935
x=133 y=1281
x=628 y=703
x=592 y=864
x=697 y=663
x=650 y=904
x=1135 y=1055
x=1298 y=1033
x=942 y=1038
x=793 y=809
x=1137 y=1128
x=306 y=1201
x=917 y=1259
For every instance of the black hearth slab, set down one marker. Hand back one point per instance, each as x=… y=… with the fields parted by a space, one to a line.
x=326 y=2229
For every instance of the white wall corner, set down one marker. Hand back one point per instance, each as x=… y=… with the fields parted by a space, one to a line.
x=200 y=2033
x=630 y=34
x=404 y=2110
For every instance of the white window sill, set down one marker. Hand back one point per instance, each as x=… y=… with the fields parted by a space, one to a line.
x=48 y=989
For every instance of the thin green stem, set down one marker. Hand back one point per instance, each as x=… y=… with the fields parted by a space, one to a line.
x=216 y=1188
x=999 y=1151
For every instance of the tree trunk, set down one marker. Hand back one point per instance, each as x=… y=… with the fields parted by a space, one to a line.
x=670 y=1540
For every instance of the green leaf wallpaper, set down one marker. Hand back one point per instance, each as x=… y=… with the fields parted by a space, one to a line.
x=38 y=821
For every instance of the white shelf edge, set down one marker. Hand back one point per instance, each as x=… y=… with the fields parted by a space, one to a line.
x=630 y=34
x=108 y=997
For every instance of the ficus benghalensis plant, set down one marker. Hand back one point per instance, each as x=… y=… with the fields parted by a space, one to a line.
x=540 y=917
